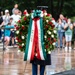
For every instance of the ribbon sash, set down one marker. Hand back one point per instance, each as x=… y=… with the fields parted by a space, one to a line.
x=35 y=43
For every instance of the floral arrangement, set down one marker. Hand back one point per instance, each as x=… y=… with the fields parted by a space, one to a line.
x=50 y=34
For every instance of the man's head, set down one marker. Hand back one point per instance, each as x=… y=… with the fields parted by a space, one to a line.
x=6 y=11
x=16 y=6
x=16 y=11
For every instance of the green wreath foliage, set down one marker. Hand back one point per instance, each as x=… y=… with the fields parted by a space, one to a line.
x=50 y=32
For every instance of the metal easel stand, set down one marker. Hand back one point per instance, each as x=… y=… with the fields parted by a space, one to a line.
x=25 y=67
x=23 y=73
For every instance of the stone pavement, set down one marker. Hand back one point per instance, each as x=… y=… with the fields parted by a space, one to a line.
x=11 y=63
x=69 y=72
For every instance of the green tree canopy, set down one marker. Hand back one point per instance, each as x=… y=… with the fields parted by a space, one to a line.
x=55 y=7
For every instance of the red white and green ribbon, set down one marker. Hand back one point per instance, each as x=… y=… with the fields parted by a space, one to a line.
x=35 y=43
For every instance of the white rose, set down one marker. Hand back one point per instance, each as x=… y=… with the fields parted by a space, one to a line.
x=52 y=36
x=54 y=31
x=47 y=21
x=49 y=52
x=49 y=32
x=45 y=37
x=19 y=51
x=22 y=44
x=16 y=40
x=54 y=44
x=27 y=14
x=41 y=15
x=17 y=32
x=53 y=21
x=22 y=37
x=45 y=14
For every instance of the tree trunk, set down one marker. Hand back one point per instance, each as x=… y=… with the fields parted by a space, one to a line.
x=52 y=7
x=56 y=11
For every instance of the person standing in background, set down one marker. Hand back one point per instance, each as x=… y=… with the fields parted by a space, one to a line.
x=15 y=7
x=64 y=20
x=16 y=17
x=7 y=33
x=68 y=34
x=59 y=27
x=6 y=17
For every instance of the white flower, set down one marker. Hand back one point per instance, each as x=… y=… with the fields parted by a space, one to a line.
x=19 y=51
x=41 y=15
x=27 y=14
x=52 y=36
x=45 y=13
x=49 y=32
x=53 y=21
x=55 y=31
x=17 y=32
x=49 y=52
x=22 y=37
x=22 y=44
x=54 y=43
x=16 y=40
x=45 y=36
x=47 y=21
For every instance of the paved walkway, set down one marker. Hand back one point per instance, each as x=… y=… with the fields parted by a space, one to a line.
x=11 y=62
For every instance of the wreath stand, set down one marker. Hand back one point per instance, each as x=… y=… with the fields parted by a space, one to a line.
x=25 y=67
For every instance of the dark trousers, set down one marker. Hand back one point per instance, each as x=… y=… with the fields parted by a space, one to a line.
x=35 y=69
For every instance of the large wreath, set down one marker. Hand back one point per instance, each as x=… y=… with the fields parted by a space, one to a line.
x=50 y=34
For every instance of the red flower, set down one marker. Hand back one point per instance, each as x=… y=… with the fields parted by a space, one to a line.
x=46 y=26
x=24 y=12
x=19 y=41
x=44 y=11
x=23 y=27
x=17 y=38
x=47 y=46
x=20 y=32
x=48 y=15
x=49 y=39
x=20 y=47
x=19 y=21
x=54 y=40
x=50 y=42
x=53 y=26
x=25 y=18
x=50 y=23
x=17 y=27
